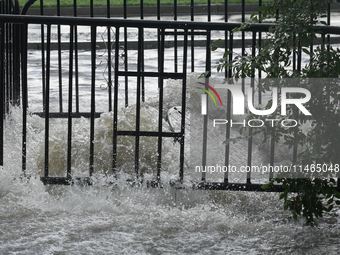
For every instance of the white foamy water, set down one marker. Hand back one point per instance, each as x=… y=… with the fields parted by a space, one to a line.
x=107 y=219
x=36 y=219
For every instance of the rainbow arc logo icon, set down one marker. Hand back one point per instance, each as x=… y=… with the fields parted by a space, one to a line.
x=204 y=98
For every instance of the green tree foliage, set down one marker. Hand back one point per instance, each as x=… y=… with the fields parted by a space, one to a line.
x=297 y=25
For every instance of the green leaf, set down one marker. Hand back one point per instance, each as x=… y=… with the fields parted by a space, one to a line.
x=263 y=8
x=203 y=75
x=294 y=216
x=227 y=53
x=306 y=51
x=217 y=44
x=236 y=29
x=330 y=201
x=336 y=193
x=265 y=186
x=329 y=208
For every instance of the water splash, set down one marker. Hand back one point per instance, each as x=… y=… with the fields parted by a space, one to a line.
x=107 y=219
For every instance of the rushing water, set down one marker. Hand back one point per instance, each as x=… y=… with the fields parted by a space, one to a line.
x=106 y=219
x=119 y=219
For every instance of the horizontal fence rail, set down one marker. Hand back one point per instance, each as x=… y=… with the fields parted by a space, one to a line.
x=211 y=26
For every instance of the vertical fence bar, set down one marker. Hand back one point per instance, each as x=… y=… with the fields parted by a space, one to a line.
x=126 y=58
x=23 y=40
x=226 y=19
x=42 y=32
x=294 y=52
x=47 y=99
x=299 y=58
x=76 y=68
x=10 y=62
x=192 y=41
x=2 y=92
x=209 y=39
x=93 y=91
x=312 y=39
x=115 y=103
x=5 y=35
x=160 y=47
x=108 y=9
x=205 y=141
x=160 y=39
x=272 y=140
x=295 y=151
x=231 y=48
x=243 y=37
x=16 y=64
x=184 y=90
x=142 y=49
x=60 y=72
x=328 y=23
x=272 y=154
x=250 y=139
x=160 y=107
x=209 y=10
x=91 y=8
x=109 y=61
x=76 y=64
x=323 y=39
x=228 y=127
x=138 y=100
x=7 y=73
x=141 y=9
x=4 y=32
x=109 y=68
x=243 y=17
x=296 y=134
x=205 y=117
x=175 y=39
x=259 y=47
x=158 y=9
x=227 y=146
x=69 y=117
x=7 y=57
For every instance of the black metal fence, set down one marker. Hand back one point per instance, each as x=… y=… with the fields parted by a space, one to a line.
x=180 y=36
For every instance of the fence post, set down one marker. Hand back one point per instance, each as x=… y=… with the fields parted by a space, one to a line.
x=10 y=46
x=2 y=93
x=9 y=65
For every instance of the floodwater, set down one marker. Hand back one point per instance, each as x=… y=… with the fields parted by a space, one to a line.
x=119 y=219
x=102 y=219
